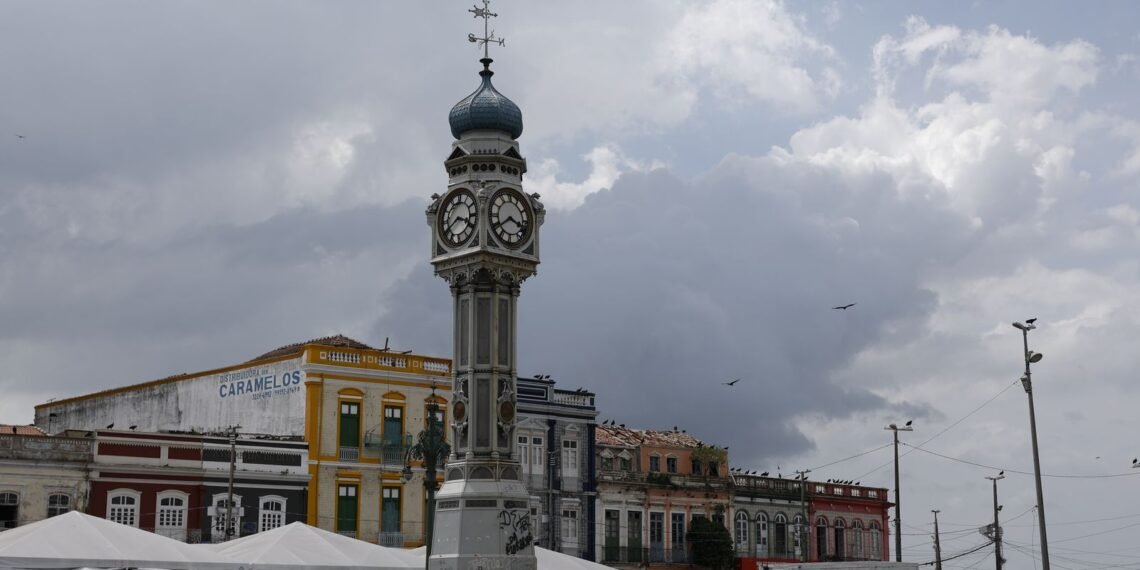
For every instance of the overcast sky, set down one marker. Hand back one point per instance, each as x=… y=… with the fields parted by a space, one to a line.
x=185 y=186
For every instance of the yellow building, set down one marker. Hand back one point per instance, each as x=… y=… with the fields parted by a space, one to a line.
x=358 y=407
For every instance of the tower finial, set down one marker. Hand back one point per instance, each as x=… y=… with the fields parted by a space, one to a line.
x=488 y=34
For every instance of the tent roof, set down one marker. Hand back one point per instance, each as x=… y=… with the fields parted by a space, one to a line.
x=299 y=544
x=76 y=540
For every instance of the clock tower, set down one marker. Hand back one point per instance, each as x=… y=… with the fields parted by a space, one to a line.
x=484 y=243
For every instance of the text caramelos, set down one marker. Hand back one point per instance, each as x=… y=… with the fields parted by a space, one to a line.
x=258 y=383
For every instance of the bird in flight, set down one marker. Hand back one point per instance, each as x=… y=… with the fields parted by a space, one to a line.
x=19 y=136
x=731 y=383
x=908 y=422
x=1031 y=321
x=844 y=307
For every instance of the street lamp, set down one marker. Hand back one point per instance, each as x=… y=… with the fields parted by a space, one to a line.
x=898 y=504
x=997 y=529
x=1027 y=383
x=432 y=449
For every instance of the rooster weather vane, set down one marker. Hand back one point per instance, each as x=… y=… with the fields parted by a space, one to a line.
x=488 y=34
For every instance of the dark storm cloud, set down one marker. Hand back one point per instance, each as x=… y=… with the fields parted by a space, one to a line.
x=655 y=292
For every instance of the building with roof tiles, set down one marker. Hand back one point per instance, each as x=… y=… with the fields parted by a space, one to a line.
x=651 y=485
x=356 y=406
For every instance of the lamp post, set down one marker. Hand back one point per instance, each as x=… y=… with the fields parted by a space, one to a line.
x=997 y=529
x=1027 y=383
x=937 y=542
x=898 y=504
x=432 y=449
x=803 y=506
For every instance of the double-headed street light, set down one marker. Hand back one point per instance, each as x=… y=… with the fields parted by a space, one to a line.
x=898 y=504
x=432 y=449
x=1027 y=383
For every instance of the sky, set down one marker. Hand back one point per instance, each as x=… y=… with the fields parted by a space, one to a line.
x=184 y=186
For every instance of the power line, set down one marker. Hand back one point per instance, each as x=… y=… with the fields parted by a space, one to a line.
x=967 y=462
x=869 y=451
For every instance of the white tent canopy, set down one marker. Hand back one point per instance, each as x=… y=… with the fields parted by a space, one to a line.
x=547 y=560
x=75 y=540
x=299 y=545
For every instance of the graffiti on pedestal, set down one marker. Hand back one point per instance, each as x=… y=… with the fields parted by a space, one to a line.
x=517 y=524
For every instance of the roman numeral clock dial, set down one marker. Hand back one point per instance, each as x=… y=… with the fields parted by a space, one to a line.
x=510 y=218
x=457 y=218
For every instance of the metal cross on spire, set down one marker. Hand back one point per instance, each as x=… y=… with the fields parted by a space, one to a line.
x=488 y=34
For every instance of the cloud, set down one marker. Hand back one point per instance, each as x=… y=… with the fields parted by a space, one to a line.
x=607 y=163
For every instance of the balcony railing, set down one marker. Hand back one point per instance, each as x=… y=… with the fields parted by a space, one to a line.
x=654 y=553
x=400 y=539
x=348 y=533
x=350 y=454
x=393 y=454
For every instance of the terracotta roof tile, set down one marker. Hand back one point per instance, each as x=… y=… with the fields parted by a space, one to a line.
x=337 y=341
x=21 y=430
x=629 y=437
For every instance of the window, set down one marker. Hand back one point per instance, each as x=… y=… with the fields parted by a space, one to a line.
x=9 y=510
x=855 y=492
x=840 y=538
x=714 y=469
x=741 y=531
x=696 y=467
x=218 y=513
x=633 y=533
x=876 y=540
x=523 y=452
x=671 y=464
x=346 y=509
x=390 y=510
x=272 y=513
x=873 y=494
x=437 y=415
x=656 y=529
x=349 y=431
x=569 y=458
x=761 y=535
x=393 y=434
x=123 y=507
x=857 y=540
x=837 y=491
x=570 y=525
x=821 y=538
x=655 y=463
x=607 y=463
x=799 y=530
x=170 y=519
x=780 y=536
x=537 y=455
x=626 y=464
x=820 y=489
x=58 y=503
x=611 y=529
x=677 y=531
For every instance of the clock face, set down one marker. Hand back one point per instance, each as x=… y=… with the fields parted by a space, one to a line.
x=510 y=218
x=457 y=218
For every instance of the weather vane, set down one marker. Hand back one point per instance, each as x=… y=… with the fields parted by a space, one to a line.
x=488 y=34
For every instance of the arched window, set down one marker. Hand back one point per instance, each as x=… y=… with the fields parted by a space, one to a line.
x=741 y=534
x=876 y=541
x=821 y=538
x=170 y=519
x=762 y=534
x=123 y=507
x=780 y=536
x=272 y=513
x=857 y=540
x=58 y=503
x=9 y=510
x=799 y=531
x=218 y=512
x=840 y=539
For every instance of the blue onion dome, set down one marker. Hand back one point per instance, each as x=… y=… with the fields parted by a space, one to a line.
x=486 y=108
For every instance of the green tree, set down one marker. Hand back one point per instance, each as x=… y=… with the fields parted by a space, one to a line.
x=711 y=544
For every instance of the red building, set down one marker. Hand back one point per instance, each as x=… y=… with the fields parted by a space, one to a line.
x=848 y=522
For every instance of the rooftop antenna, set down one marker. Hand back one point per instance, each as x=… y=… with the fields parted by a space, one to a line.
x=488 y=34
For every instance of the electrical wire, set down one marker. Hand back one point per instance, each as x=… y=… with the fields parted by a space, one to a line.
x=869 y=451
x=968 y=462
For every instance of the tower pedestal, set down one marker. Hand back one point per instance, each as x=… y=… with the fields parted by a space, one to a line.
x=482 y=525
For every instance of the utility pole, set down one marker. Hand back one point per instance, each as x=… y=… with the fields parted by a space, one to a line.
x=802 y=476
x=937 y=543
x=898 y=504
x=1027 y=384
x=230 y=499
x=997 y=529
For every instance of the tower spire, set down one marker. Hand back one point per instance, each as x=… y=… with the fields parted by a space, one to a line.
x=488 y=34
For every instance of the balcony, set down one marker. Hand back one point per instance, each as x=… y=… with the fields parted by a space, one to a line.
x=350 y=454
x=624 y=554
x=348 y=533
x=400 y=539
